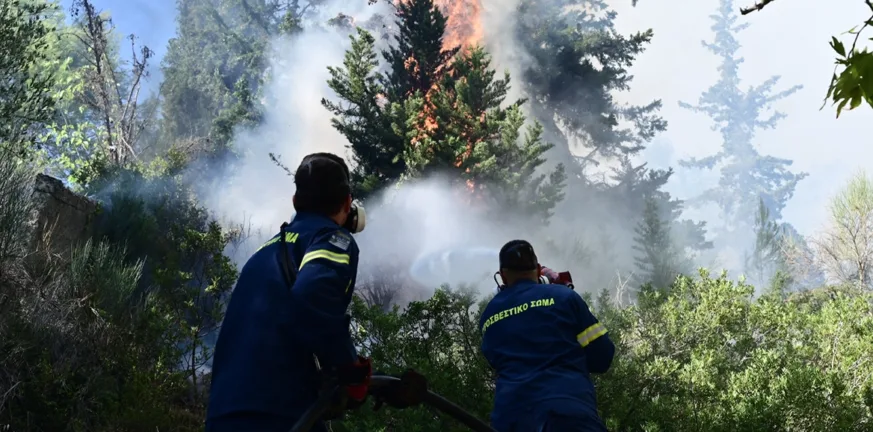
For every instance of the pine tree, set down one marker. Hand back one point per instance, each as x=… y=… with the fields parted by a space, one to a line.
x=417 y=59
x=220 y=44
x=766 y=257
x=637 y=185
x=659 y=260
x=578 y=60
x=442 y=116
x=365 y=118
x=746 y=175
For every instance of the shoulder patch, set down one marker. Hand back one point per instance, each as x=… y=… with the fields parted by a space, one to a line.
x=340 y=240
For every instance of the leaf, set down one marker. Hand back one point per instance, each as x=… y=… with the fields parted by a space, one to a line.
x=838 y=46
x=856 y=98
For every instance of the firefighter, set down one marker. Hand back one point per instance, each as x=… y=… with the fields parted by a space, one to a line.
x=286 y=326
x=543 y=342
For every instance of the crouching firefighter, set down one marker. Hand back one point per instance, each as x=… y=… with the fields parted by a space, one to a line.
x=286 y=326
x=543 y=342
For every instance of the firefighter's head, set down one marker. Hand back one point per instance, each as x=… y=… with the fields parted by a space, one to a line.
x=324 y=187
x=518 y=261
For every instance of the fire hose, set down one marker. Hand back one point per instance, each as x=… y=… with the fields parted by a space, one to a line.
x=379 y=384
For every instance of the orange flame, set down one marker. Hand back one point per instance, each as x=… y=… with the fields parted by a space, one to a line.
x=464 y=22
x=463 y=29
x=464 y=26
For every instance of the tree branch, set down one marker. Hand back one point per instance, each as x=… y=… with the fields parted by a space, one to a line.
x=756 y=7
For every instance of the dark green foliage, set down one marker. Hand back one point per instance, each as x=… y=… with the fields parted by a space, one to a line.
x=363 y=118
x=438 y=337
x=94 y=343
x=427 y=116
x=26 y=88
x=88 y=350
x=853 y=86
x=219 y=51
x=417 y=60
x=578 y=60
x=159 y=221
x=658 y=261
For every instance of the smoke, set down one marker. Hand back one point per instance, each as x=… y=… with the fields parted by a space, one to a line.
x=405 y=226
x=294 y=125
x=499 y=18
x=423 y=229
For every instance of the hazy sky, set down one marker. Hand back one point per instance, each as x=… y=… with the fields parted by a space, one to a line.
x=788 y=38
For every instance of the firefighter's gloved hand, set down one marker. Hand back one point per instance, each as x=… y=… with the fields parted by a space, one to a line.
x=555 y=277
x=356 y=378
x=550 y=274
x=407 y=392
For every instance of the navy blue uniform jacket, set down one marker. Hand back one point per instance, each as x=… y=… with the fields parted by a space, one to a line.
x=543 y=342
x=263 y=359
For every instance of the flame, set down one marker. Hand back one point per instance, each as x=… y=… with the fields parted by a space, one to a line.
x=463 y=29
x=464 y=22
x=464 y=26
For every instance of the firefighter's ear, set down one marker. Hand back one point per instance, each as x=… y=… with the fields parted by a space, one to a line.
x=347 y=207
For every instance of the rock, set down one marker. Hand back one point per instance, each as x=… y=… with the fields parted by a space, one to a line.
x=62 y=217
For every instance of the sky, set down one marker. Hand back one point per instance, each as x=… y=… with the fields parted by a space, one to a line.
x=787 y=38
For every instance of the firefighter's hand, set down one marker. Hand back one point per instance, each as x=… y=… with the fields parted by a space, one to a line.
x=356 y=378
x=407 y=392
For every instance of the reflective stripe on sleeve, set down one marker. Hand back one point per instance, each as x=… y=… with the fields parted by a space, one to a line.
x=326 y=254
x=590 y=334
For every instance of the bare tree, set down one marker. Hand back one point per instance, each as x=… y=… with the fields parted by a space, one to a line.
x=113 y=97
x=845 y=248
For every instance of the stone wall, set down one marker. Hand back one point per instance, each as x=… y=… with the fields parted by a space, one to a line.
x=64 y=217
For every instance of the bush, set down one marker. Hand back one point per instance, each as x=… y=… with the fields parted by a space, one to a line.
x=95 y=342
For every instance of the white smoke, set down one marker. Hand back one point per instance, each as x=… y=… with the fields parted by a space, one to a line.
x=423 y=227
x=407 y=222
x=294 y=125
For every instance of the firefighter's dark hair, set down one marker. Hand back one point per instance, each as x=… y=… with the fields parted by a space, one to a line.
x=323 y=184
x=519 y=256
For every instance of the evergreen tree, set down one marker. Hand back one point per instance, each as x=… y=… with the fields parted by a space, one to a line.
x=364 y=117
x=658 y=261
x=417 y=59
x=638 y=188
x=441 y=115
x=746 y=175
x=220 y=45
x=766 y=257
x=578 y=60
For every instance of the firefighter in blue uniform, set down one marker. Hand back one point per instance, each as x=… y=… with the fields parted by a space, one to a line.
x=286 y=325
x=543 y=342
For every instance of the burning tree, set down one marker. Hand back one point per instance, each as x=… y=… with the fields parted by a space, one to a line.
x=438 y=109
